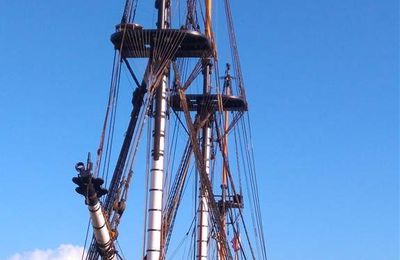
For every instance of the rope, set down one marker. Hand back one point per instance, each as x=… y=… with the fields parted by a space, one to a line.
x=115 y=72
x=86 y=239
x=175 y=196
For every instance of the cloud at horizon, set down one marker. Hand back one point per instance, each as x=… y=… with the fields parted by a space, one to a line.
x=63 y=252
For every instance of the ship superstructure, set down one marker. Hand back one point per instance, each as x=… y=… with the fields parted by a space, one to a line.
x=198 y=137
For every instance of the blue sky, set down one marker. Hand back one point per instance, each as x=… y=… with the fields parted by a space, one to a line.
x=323 y=86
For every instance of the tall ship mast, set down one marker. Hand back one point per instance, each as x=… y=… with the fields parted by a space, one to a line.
x=187 y=141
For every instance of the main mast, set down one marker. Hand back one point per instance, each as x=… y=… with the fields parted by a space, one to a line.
x=155 y=206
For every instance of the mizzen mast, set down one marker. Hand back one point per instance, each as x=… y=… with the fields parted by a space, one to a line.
x=204 y=115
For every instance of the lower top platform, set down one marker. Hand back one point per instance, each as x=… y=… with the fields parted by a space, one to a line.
x=135 y=42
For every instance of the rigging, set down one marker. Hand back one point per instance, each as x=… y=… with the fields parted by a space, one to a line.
x=177 y=60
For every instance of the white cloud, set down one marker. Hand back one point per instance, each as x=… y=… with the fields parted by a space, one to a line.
x=63 y=252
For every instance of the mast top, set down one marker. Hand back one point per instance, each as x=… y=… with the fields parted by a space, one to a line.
x=135 y=42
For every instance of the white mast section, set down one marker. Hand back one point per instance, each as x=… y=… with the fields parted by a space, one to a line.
x=153 y=249
x=202 y=226
x=203 y=211
x=100 y=228
x=156 y=182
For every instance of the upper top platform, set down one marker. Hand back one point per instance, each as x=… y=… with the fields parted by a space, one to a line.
x=135 y=42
